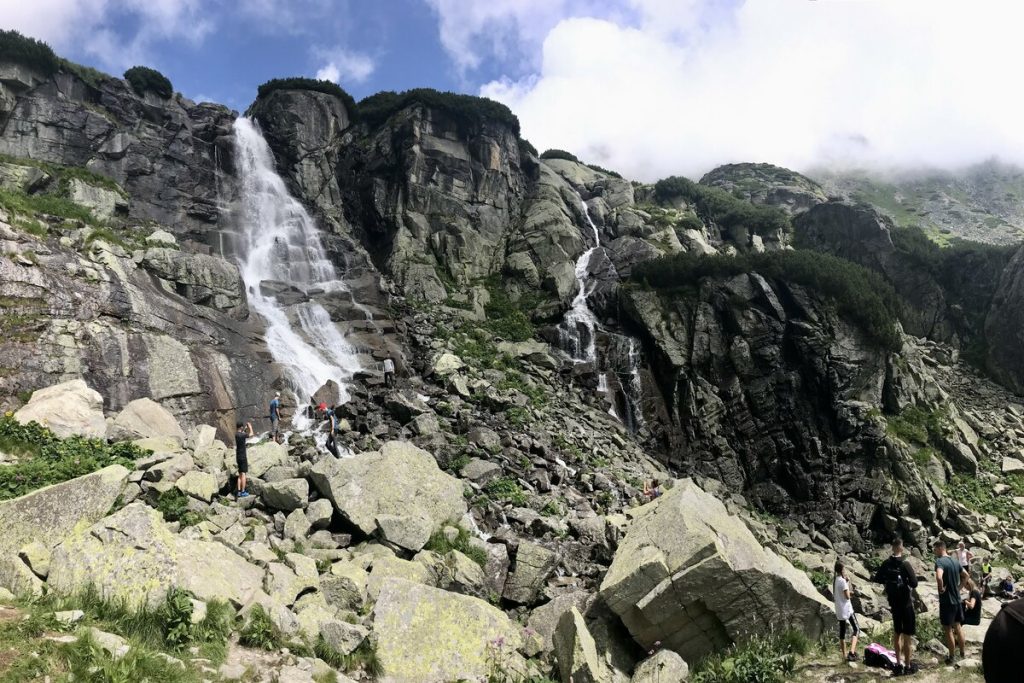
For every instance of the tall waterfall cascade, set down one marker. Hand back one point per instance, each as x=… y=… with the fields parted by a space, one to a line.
x=618 y=368
x=280 y=249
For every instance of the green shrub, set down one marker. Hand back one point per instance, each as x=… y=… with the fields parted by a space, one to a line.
x=559 y=154
x=49 y=459
x=601 y=169
x=299 y=83
x=440 y=544
x=468 y=111
x=260 y=632
x=15 y=201
x=143 y=80
x=725 y=209
x=526 y=148
x=363 y=658
x=20 y=49
x=507 y=319
x=506 y=490
x=173 y=505
x=85 y=660
x=762 y=659
x=916 y=425
x=858 y=293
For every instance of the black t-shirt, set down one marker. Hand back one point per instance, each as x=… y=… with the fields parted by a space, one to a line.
x=899 y=580
x=240 y=439
x=973 y=616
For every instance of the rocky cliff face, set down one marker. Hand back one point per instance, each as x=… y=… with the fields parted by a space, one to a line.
x=1005 y=324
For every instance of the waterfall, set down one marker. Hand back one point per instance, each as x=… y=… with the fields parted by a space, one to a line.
x=576 y=331
x=280 y=249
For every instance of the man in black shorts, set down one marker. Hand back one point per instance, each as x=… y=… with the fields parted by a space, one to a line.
x=243 y=432
x=899 y=580
x=951 y=612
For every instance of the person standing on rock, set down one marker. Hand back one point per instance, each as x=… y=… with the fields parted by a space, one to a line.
x=243 y=432
x=899 y=580
x=964 y=556
x=275 y=417
x=841 y=594
x=389 y=372
x=951 y=613
x=332 y=429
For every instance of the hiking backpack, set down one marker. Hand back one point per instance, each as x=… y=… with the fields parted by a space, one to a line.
x=879 y=656
x=892 y=575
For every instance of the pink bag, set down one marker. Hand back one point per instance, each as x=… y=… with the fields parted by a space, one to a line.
x=880 y=656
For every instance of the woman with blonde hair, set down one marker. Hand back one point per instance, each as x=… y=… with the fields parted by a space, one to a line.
x=972 y=603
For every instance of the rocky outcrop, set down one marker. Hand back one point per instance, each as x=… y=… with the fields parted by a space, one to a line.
x=767 y=184
x=66 y=409
x=692 y=577
x=202 y=279
x=164 y=153
x=759 y=385
x=1004 y=326
x=145 y=418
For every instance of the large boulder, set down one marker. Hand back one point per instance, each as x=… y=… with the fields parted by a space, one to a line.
x=399 y=480
x=66 y=409
x=261 y=458
x=426 y=634
x=534 y=563
x=201 y=278
x=133 y=556
x=50 y=514
x=143 y=418
x=693 y=576
x=576 y=651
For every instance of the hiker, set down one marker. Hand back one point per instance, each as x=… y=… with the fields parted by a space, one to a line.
x=275 y=417
x=899 y=580
x=389 y=372
x=243 y=432
x=332 y=426
x=964 y=556
x=1006 y=588
x=652 y=489
x=972 y=603
x=951 y=613
x=986 y=577
x=321 y=411
x=311 y=409
x=841 y=593
x=1000 y=653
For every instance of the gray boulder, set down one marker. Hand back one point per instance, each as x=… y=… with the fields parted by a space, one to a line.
x=428 y=634
x=66 y=409
x=144 y=418
x=576 y=651
x=400 y=479
x=287 y=495
x=663 y=665
x=533 y=564
x=692 y=576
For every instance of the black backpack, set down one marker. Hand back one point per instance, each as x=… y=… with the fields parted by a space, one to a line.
x=893 y=575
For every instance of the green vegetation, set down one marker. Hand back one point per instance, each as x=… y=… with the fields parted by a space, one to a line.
x=861 y=294
x=559 y=154
x=526 y=148
x=601 y=169
x=516 y=381
x=468 y=111
x=260 y=631
x=46 y=459
x=35 y=54
x=977 y=494
x=508 y=319
x=66 y=173
x=173 y=505
x=363 y=658
x=90 y=76
x=143 y=80
x=506 y=490
x=440 y=544
x=46 y=204
x=762 y=659
x=916 y=425
x=313 y=84
x=722 y=207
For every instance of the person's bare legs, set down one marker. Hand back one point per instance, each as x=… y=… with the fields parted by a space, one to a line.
x=949 y=641
x=241 y=481
x=896 y=647
x=960 y=640
x=853 y=644
x=908 y=645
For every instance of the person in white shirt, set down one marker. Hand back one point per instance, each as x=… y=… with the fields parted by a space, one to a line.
x=841 y=592
x=389 y=372
x=964 y=556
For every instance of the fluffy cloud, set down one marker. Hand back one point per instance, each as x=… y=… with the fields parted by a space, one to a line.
x=88 y=25
x=343 y=66
x=679 y=86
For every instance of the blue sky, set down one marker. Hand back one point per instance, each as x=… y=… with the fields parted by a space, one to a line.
x=646 y=87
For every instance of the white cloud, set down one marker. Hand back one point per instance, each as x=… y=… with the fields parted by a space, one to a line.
x=682 y=86
x=344 y=66
x=72 y=25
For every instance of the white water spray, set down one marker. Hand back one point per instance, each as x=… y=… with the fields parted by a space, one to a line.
x=281 y=243
x=577 y=328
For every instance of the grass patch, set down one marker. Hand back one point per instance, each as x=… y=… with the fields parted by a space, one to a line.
x=44 y=204
x=260 y=632
x=762 y=659
x=440 y=544
x=363 y=658
x=917 y=426
x=51 y=460
x=978 y=495
x=515 y=381
x=506 y=318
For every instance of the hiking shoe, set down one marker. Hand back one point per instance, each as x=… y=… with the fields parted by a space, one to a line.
x=897 y=670
x=243 y=494
x=950 y=661
x=851 y=657
x=910 y=670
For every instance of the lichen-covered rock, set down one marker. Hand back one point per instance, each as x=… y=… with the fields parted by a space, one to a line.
x=400 y=479
x=429 y=635
x=692 y=576
x=133 y=556
x=286 y=495
x=261 y=457
x=202 y=279
x=576 y=651
x=48 y=515
x=200 y=485
x=144 y=418
x=66 y=409
x=406 y=531
x=663 y=665
x=533 y=564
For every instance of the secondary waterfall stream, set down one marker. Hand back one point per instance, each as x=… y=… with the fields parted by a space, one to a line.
x=280 y=251
x=576 y=332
